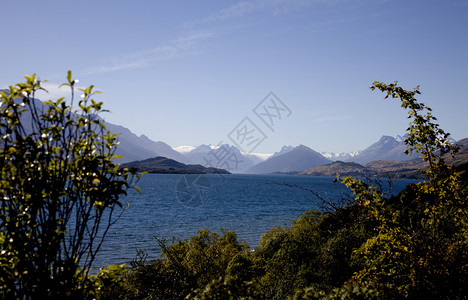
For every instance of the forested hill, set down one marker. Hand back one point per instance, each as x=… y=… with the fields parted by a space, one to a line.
x=165 y=165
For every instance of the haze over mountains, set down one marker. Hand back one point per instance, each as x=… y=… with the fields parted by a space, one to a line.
x=289 y=159
x=224 y=156
x=133 y=147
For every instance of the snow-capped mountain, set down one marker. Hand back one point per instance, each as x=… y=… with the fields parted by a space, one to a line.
x=284 y=149
x=343 y=156
x=387 y=148
x=224 y=156
x=184 y=149
x=400 y=138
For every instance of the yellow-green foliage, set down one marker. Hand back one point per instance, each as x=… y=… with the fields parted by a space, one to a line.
x=421 y=245
x=59 y=188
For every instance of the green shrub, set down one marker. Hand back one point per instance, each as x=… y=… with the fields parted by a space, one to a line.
x=59 y=191
x=421 y=243
x=184 y=267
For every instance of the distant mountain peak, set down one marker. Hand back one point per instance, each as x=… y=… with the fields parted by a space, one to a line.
x=284 y=149
x=343 y=156
x=184 y=149
x=387 y=148
x=224 y=156
x=296 y=160
x=203 y=148
x=302 y=147
x=387 y=138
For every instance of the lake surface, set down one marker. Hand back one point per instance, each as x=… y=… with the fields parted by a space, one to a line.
x=177 y=205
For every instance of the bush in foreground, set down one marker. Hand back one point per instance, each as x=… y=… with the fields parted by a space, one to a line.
x=59 y=191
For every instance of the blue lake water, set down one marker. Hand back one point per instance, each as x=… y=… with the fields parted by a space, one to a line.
x=177 y=205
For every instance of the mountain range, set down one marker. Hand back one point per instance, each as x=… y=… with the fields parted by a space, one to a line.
x=223 y=156
x=387 y=168
x=386 y=155
x=288 y=160
x=343 y=156
x=387 y=148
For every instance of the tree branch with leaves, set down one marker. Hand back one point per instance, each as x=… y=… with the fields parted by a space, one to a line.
x=60 y=190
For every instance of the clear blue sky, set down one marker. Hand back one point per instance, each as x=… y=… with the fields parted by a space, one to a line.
x=187 y=72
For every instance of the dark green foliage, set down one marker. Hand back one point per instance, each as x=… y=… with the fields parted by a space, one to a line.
x=59 y=191
x=185 y=266
x=345 y=292
x=108 y=282
x=315 y=250
x=288 y=256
